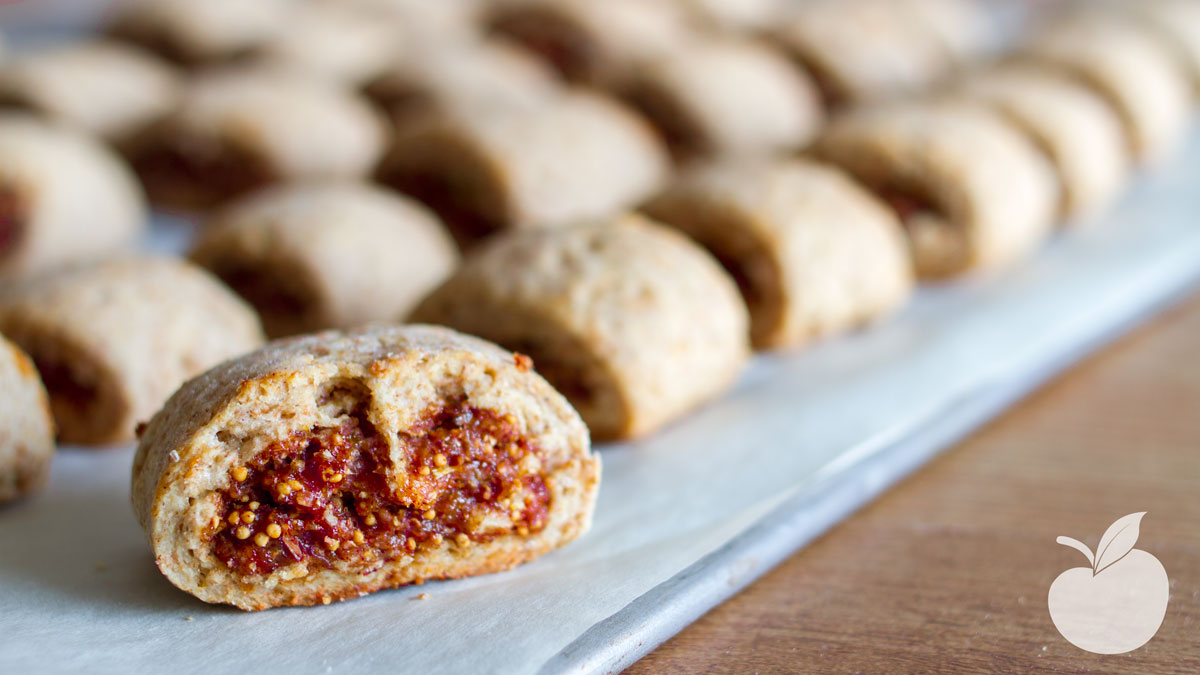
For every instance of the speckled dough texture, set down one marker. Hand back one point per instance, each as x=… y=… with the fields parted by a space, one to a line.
x=1079 y=132
x=316 y=255
x=113 y=339
x=813 y=252
x=104 y=88
x=970 y=214
x=632 y=321
x=226 y=417
x=236 y=130
x=727 y=96
x=26 y=428
x=1130 y=68
x=592 y=42
x=63 y=198
x=577 y=158
x=201 y=33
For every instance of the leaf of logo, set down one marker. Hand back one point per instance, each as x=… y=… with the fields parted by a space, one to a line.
x=1117 y=541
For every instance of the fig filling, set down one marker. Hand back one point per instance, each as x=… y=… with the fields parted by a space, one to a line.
x=12 y=220
x=325 y=498
x=283 y=308
x=459 y=197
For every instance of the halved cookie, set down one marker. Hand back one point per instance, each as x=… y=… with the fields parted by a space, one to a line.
x=26 y=428
x=926 y=160
x=316 y=255
x=113 y=339
x=64 y=198
x=813 y=252
x=327 y=467
x=631 y=321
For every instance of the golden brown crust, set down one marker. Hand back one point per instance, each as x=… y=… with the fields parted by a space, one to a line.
x=113 y=339
x=317 y=254
x=226 y=417
x=26 y=429
x=633 y=322
x=813 y=252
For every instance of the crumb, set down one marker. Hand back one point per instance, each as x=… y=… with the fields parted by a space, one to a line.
x=524 y=363
x=139 y=430
x=187 y=618
x=422 y=596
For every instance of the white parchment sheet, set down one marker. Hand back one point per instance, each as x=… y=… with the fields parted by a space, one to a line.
x=816 y=432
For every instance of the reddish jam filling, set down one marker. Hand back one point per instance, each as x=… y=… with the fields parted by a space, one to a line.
x=12 y=219
x=323 y=497
x=283 y=309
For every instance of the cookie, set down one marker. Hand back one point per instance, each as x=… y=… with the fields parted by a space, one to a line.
x=113 y=339
x=1133 y=71
x=327 y=467
x=486 y=169
x=311 y=256
x=200 y=33
x=961 y=29
x=26 y=429
x=105 y=88
x=461 y=76
x=961 y=214
x=335 y=40
x=592 y=42
x=726 y=96
x=631 y=321
x=1178 y=22
x=814 y=253
x=239 y=130
x=859 y=52
x=734 y=15
x=63 y=198
x=1080 y=134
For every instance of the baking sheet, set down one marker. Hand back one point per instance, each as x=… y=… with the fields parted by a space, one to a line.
x=684 y=519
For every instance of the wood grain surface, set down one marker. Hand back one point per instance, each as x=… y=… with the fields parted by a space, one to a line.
x=949 y=571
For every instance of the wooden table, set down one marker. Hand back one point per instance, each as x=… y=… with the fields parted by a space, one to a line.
x=950 y=569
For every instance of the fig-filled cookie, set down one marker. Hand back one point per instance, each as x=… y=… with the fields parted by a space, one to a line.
x=330 y=466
